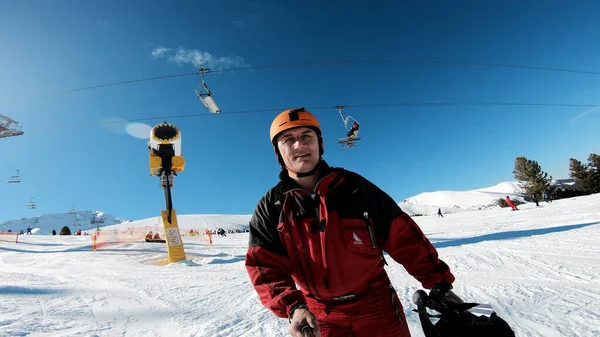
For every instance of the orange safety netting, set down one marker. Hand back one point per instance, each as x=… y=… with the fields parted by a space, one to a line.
x=102 y=238
x=9 y=237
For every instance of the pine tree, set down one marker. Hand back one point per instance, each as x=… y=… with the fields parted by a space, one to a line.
x=529 y=173
x=587 y=176
x=581 y=173
x=594 y=167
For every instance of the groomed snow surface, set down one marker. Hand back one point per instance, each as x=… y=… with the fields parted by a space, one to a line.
x=538 y=267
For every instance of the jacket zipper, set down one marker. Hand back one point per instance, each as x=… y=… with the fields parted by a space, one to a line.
x=298 y=257
x=322 y=230
x=300 y=264
x=307 y=259
x=366 y=215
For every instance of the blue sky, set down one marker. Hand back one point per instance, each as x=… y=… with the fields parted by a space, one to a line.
x=59 y=45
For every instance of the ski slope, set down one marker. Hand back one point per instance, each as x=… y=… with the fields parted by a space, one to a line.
x=538 y=267
x=428 y=203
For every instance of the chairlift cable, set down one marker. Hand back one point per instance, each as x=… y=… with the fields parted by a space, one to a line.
x=416 y=104
x=314 y=63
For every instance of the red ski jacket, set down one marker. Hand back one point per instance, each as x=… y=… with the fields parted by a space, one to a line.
x=329 y=242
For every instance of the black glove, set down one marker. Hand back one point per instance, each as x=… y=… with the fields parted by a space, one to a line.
x=442 y=297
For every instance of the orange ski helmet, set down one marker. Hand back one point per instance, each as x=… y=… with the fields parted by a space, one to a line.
x=293 y=118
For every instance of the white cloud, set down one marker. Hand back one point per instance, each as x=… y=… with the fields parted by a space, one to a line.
x=197 y=58
x=160 y=52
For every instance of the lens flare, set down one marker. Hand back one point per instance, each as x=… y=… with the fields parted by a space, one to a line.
x=139 y=130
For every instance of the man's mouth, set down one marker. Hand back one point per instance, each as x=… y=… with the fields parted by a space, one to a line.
x=302 y=155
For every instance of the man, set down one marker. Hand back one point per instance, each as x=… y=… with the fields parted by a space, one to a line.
x=511 y=204
x=324 y=230
x=534 y=198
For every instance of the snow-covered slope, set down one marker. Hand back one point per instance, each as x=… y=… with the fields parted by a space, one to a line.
x=90 y=220
x=194 y=221
x=458 y=201
x=44 y=224
x=536 y=267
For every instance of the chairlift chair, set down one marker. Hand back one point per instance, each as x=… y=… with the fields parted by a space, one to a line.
x=348 y=141
x=206 y=98
x=31 y=204
x=15 y=179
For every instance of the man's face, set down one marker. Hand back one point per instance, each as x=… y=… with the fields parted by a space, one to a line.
x=299 y=149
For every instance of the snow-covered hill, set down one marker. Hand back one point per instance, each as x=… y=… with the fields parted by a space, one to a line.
x=44 y=224
x=458 y=201
x=426 y=203
x=90 y=220
x=194 y=221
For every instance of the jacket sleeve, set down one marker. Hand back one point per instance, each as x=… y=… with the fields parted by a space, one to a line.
x=403 y=240
x=267 y=263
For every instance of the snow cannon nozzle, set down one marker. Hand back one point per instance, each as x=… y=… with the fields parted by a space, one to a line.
x=166 y=138
x=165 y=150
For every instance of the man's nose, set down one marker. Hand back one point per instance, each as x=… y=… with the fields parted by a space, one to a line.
x=299 y=142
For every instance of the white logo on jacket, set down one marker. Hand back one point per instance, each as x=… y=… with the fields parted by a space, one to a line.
x=357 y=240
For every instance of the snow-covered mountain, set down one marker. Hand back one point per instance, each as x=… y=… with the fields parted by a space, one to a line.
x=90 y=220
x=44 y=224
x=426 y=203
x=565 y=184
x=458 y=201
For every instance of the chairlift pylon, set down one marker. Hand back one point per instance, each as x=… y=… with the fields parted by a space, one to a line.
x=352 y=135
x=15 y=178
x=206 y=97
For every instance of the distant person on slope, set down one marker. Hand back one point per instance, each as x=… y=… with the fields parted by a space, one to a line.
x=440 y=213
x=534 y=199
x=324 y=229
x=511 y=204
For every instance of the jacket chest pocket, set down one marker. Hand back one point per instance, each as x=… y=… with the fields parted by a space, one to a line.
x=360 y=238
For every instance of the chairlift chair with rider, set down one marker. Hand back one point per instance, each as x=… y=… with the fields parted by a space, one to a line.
x=352 y=135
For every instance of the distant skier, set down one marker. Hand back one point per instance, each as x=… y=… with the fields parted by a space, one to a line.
x=534 y=199
x=440 y=213
x=54 y=232
x=29 y=231
x=547 y=197
x=511 y=204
